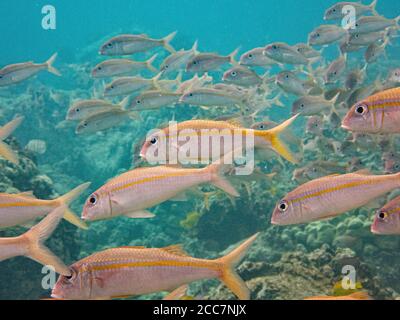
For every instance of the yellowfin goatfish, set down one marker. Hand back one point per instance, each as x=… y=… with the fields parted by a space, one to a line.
x=5 y=151
x=17 y=209
x=379 y=113
x=387 y=219
x=16 y=73
x=128 y=44
x=131 y=193
x=122 y=67
x=331 y=196
x=132 y=271
x=30 y=244
x=263 y=139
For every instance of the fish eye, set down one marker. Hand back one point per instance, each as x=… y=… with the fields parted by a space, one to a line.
x=274 y=47
x=190 y=94
x=194 y=62
x=361 y=110
x=302 y=106
x=99 y=68
x=110 y=45
x=287 y=76
x=262 y=126
x=153 y=141
x=382 y=215
x=78 y=110
x=333 y=10
x=93 y=199
x=111 y=87
x=283 y=206
x=250 y=56
x=138 y=101
x=1 y=77
x=318 y=35
x=166 y=67
x=85 y=124
x=233 y=73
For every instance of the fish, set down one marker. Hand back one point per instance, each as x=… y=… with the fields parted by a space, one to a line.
x=105 y=120
x=290 y=83
x=131 y=193
x=83 y=109
x=30 y=244
x=379 y=113
x=263 y=139
x=365 y=39
x=394 y=75
x=122 y=67
x=128 y=85
x=387 y=219
x=242 y=76
x=313 y=105
x=128 y=44
x=205 y=62
x=336 y=69
x=283 y=53
x=326 y=34
x=335 y=12
x=256 y=58
x=194 y=83
x=353 y=296
x=177 y=61
x=367 y=24
x=132 y=271
x=209 y=97
x=18 y=209
x=316 y=169
x=355 y=77
x=307 y=51
x=16 y=73
x=5 y=150
x=36 y=146
x=154 y=99
x=374 y=51
x=315 y=125
x=331 y=196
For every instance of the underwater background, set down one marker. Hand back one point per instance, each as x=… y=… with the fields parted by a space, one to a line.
x=290 y=262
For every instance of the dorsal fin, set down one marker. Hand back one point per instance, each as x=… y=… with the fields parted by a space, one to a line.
x=176 y=250
x=28 y=194
x=364 y=172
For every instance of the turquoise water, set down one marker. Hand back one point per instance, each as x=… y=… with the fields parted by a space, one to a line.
x=219 y=26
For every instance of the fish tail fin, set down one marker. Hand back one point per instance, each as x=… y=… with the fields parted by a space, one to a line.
x=9 y=128
x=124 y=104
x=149 y=63
x=277 y=144
x=166 y=42
x=232 y=56
x=178 y=79
x=66 y=199
x=229 y=276
x=38 y=234
x=372 y=6
x=49 y=64
x=5 y=150
x=219 y=170
x=155 y=80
